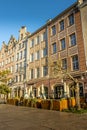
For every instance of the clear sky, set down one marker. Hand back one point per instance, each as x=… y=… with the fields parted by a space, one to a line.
x=30 y=13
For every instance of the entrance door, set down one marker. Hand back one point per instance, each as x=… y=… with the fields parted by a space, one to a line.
x=46 y=92
x=34 y=92
x=58 y=92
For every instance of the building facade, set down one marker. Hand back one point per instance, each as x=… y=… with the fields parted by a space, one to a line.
x=63 y=37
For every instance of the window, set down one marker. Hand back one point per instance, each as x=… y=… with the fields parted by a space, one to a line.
x=64 y=63
x=58 y=92
x=38 y=39
x=38 y=55
x=71 y=19
x=32 y=73
x=24 y=76
x=17 y=56
x=45 y=71
x=16 y=78
x=32 y=43
x=61 y=25
x=20 y=66
x=34 y=92
x=44 y=36
x=21 y=55
x=38 y=72
x=44 y=52
x=12 y=69
x=12 y=58
x=73 y=39
x=54 y=48
x=24 y=53
x=53 y=30
x=16 y=67
x=20 y=78
x=75 y=62
x=63 y=44
x=32 y=57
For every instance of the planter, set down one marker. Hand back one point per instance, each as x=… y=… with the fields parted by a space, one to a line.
x=64 y=104
x=38 y=103
x=25 y=102
x=71 y=102
x=54 y=105
x=45 y=104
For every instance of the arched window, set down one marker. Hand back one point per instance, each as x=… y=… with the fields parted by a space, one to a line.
x=34 y=92
x=72 y=90
x=58 y=92
x=46 y=92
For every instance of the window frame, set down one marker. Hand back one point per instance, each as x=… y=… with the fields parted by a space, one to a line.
x=71 y=19
x=54 y=48
x=38 y=55
x=73 y=39
x=63 y=44
x=75 y=62
x=38 y=72
x=45 y=70
x=32 y=43
x=53 y=30
x=64 y=63
x=32 y=73
x=61 y=25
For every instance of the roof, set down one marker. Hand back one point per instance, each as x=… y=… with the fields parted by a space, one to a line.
x=54 y=19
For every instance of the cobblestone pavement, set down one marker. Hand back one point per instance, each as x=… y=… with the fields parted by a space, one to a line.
x=25 y=118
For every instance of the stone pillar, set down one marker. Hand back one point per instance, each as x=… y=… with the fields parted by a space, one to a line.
x=43 y=96
x=20 y=92
x=65 y=89
x=38 y=92
x=31 y=92
x=42 y=89
x=52 y=90
x=17 y=92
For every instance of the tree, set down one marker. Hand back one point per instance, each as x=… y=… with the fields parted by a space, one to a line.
x=4 y=78
x=4 y=89
x=59 y=72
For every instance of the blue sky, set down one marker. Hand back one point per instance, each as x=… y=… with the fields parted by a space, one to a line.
x=30 y=13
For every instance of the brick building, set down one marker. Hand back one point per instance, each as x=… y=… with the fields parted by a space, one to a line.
x=63 y=37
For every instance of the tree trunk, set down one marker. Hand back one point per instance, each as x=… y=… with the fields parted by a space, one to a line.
x=77 y=97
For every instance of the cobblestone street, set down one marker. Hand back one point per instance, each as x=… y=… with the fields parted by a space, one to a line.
x=25 y=118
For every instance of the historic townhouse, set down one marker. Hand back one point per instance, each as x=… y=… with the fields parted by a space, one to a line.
x=13 y=58
x=7 y=57
x=38 y=69
x=63 y=37
x=20 y=64
x=66 y=43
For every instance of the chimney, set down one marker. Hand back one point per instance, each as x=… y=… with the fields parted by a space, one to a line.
x=80 y=2
x=22 y=32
